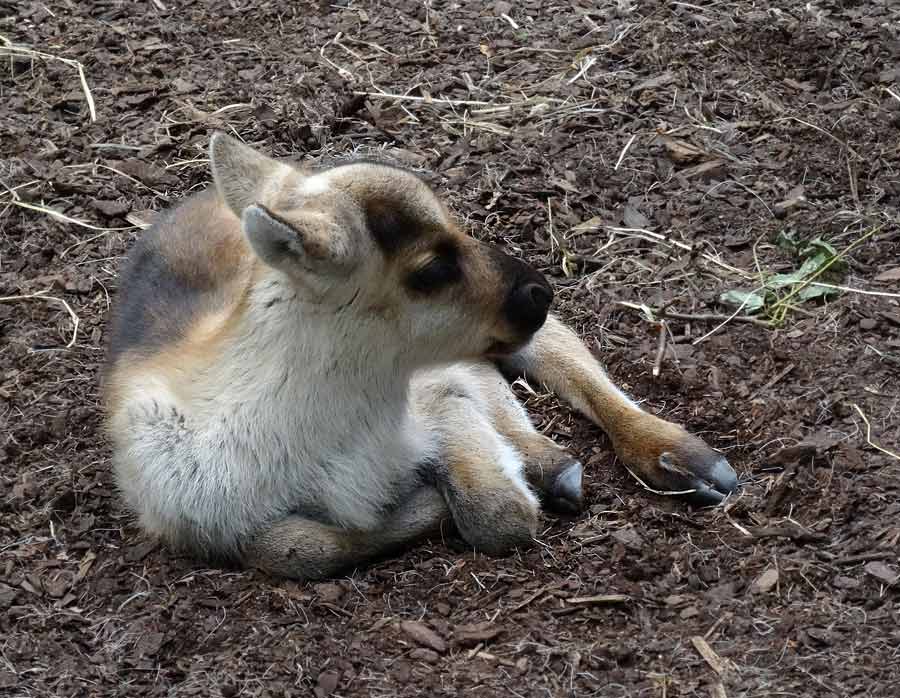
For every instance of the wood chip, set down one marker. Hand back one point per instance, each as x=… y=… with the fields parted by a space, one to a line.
x=590 y=224
x=331 y=593
x=326 y=684
x=705 y=170
x=424 y=655
x=633 y=218
x=599 y=600
x=472 y=635
x=424 y=635
x=716 y=663
x=889 y=275
x=765 y=582
x=530 y=599
x=717 y=690
x=653 y=83
x=7 y=595
x=681 y=151
x=142 y=219
x=488 y=657
x=629 y=537
x=882 y=572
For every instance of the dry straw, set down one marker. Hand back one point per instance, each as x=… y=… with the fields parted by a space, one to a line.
x=13 y=51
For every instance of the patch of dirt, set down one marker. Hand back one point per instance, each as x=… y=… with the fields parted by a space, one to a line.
x=640 y=153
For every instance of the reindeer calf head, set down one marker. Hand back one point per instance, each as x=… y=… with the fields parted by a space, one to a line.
x=373 y=243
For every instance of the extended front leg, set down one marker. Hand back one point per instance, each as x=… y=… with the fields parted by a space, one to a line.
x=661 y=453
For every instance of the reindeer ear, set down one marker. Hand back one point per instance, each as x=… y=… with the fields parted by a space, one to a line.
x=241 y=174
x=310 y=242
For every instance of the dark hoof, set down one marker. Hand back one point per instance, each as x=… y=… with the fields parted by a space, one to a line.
x=711 y=481
x=564 y=495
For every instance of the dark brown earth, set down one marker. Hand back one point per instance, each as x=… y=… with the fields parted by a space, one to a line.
x=549 y=127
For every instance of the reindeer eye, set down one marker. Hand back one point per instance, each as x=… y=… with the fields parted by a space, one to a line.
x=439 y=273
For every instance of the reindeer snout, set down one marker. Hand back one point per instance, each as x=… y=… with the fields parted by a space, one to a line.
x=528 y=301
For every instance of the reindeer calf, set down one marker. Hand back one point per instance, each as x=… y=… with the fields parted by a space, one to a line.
x=303 y=376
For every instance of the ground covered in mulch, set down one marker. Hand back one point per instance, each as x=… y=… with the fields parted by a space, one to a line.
x=649 y=157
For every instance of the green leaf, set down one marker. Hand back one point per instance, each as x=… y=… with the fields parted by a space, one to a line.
x=808 y=268
x=786 y=242
x=752 y=302
x=812 y=291
x=819 y=249
x=816 y=246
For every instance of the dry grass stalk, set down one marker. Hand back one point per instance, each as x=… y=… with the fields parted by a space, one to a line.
x=426 y=100
x=663 y=493
x=624 y=151
x=869 y=441
x=42 y=295
x=700 y=317
x=850 y=289
x=8 y=48
x=67 y=219
x=659 y=238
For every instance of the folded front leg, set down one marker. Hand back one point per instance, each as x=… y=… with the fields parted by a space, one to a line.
x=661 y=453
x=480 y=473
x=550 y=470
x=302 y=549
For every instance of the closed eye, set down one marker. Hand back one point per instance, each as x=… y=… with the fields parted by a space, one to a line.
x=440 y=272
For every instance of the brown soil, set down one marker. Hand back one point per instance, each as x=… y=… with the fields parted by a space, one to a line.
x=699 y=124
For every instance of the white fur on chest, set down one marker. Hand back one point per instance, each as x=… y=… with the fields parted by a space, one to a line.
x=287 y=420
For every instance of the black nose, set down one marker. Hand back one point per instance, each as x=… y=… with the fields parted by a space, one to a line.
x=539 y=294
x=528 y=302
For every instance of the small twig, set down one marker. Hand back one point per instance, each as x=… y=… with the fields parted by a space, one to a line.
x=869 y=435
x=727 y=319
x=716 y=663
x=13 y=191
x=659 y=237
x=660 y=349
x=624 y=151
x=509 y=19
x=598 y=600
x=824 y=132
x=716 y=317
x=586 y=64
x=522 y=604
x=862 y=557
x=67 y=219
x=701 y=317
x=854 y=189
x=664 y=493
x=427 y=100
x=717 y=690
x=796 y=534
x=778 y=377
x=43 y=296
x=849 y=289
x=23 y=51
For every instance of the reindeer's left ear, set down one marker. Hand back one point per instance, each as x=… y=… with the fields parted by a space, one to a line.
x=311 y=242
x=243 y=175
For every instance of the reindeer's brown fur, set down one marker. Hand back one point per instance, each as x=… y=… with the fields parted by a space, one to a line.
x=299 y=376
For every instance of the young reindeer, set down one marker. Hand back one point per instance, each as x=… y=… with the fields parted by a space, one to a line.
x=302 y=376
